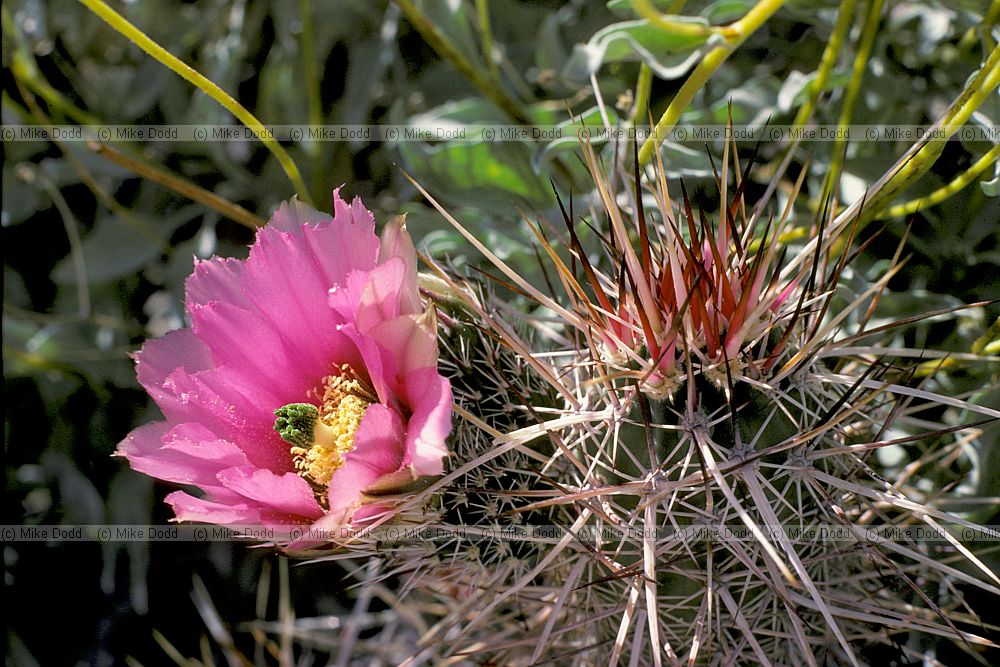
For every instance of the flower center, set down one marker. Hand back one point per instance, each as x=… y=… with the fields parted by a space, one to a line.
x=322 y=436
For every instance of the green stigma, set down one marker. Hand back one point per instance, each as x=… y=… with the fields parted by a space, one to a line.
x=296 y=422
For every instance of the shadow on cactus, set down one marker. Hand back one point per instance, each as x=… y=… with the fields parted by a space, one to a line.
x=702 y=481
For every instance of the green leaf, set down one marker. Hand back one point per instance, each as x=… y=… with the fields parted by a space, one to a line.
x=452 y=19
x=550 y=50
x=114 y=248
x=20 y=200
x=669 y=55
x=81 y=501
x=471 y=169
x=482 y=172
x=472 y=111
x=989 y=342
x=751 y=101
x=796 y=89
x=722 y=11
x=725 y=11
x=130 y=500
x=568 y=134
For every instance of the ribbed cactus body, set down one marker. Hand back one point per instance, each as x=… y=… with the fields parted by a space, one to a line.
x=708 y=461
x=676 y=461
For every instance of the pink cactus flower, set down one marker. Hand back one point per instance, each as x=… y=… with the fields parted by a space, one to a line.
x=308 y=376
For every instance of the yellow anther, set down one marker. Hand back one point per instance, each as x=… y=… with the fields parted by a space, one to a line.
x=342 y=406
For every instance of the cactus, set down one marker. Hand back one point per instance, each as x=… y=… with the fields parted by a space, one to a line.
x=689 y=448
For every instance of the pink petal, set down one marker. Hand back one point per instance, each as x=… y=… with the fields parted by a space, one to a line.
x=186 y=454
x=371 y=297
x=226 y=404
x=381 y=298
x=430 y=399
x=188 y=508
x=289 y=284
x=178 y=373
x=396 y=242
x=256 y=350
x=355 y=212
x=371 y=366
x=345 y=496
x=216 y=279
x=350 y=244
x=391 y=291
x=379 y=450
x=142 y=443
x=379 y=441
x=392 y=349
x=159 y=358
x=288 y=493
x=352 y=228
x=344 y=298
x=293 y=214
x=408 y=343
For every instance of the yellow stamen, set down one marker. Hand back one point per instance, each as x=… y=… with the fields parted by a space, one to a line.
x=344 y=402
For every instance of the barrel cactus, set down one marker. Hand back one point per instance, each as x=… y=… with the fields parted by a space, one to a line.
x=673 y=454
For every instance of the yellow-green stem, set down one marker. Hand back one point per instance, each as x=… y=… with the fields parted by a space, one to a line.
x=742 y=29
x=992 y=16
x=38 y=116
x=486 y=34
x=668 y=23
x=314 y=103
x=942 y=193
x=974 y=94
x=178 y=66
x=828 y=60
x=437 y=41
x=26 y=71
x=830 y=54
x=642 y=88
x=865 y=43
x=179 y=185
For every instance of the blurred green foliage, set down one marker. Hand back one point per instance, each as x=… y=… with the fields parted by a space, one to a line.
x=96 y=255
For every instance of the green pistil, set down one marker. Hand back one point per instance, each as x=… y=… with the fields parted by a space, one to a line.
x=296 y=423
